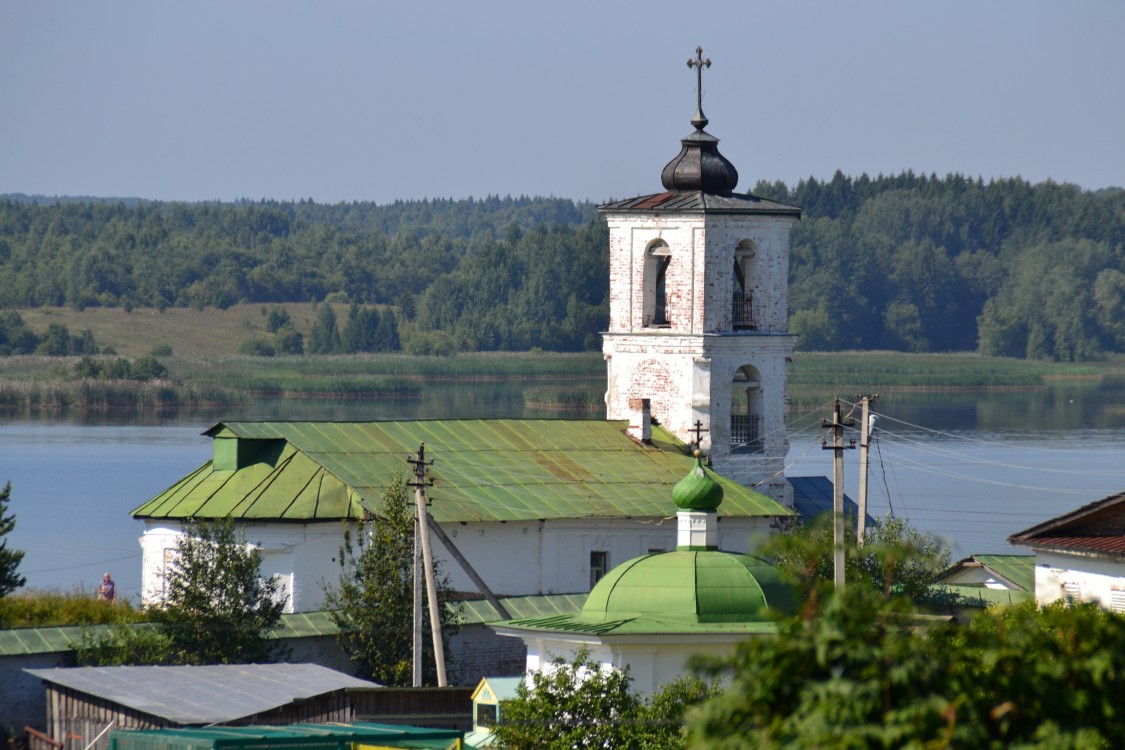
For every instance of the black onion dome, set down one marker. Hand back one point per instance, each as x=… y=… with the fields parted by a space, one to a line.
x=699 y=166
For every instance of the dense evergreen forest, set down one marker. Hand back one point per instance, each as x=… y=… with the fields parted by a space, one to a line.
x=907 y=262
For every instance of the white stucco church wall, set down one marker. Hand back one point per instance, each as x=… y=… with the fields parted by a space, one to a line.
x=514 y=558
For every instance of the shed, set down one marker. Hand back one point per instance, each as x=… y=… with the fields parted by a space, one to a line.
x=1080 y=555
x=83 y=702
x=486 y=707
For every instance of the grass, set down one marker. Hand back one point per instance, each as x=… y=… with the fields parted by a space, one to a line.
x=815 y=376
x=56 y=608
x=206 y=369
x=560 y=397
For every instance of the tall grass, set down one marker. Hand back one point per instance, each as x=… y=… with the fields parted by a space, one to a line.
x=815 y=377
x=55 y=607
x=109 y=394
x=559 y=397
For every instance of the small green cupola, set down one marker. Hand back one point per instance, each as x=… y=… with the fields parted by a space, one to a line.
x=697 y=496
x=698 y=491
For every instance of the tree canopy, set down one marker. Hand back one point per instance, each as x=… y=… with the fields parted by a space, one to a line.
x=862 y=672
x=373 y=600
x=905 y=262
x=217 y=608
x=10 y=579
x=578 y=704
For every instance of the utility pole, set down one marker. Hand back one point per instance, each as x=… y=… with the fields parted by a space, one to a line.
x=420 y=485
x=864 y=443
x=416 y=566
x=837 y=424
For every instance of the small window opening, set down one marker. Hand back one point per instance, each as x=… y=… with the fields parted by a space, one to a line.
x=599 y=565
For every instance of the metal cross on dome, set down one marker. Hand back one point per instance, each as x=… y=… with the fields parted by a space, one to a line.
x=699 y=63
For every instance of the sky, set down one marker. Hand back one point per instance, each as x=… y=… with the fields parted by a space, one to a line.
x=351 y=101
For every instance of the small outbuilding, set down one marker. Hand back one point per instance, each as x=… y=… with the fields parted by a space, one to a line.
x=1080 y=555
x=358 y=736
x=84 y=702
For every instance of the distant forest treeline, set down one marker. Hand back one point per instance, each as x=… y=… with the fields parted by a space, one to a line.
x=907 y=262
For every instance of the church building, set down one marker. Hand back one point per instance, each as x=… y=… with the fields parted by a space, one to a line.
x=698 y=334
x=696 y=355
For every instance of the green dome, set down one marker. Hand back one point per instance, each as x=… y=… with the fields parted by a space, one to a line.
x=698 y=490
x=690 y=587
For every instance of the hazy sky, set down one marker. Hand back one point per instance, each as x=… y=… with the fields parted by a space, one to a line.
x=343 y=101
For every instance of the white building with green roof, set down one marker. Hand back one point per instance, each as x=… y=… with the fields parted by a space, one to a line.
x=653 y=613
x=536 y=506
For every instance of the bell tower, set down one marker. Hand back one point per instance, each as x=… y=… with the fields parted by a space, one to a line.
x=698 y=335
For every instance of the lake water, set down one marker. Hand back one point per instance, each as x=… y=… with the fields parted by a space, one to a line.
x=972 y=468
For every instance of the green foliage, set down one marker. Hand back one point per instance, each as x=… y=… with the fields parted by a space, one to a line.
x=257 y=347
x=373 y=601
x=10 y=579
x=33 y=608
x=142 y=369
x=578 y=704
x=15 y=336
x=217 y=609
x=858 y=671
x=124 y=645
x=324 y=338
x=895 y=559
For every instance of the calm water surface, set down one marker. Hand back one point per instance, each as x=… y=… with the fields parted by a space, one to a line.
x=973 y=468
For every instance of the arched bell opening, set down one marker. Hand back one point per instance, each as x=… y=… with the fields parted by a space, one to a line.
x=658 y=256
x=745 y=278
x=747 y=407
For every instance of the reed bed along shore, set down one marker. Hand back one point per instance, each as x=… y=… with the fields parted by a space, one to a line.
x=35 y=382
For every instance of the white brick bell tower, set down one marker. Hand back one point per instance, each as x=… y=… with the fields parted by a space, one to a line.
x=698 y=319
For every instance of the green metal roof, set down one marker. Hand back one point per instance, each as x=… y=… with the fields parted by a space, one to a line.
x=484 y=470
x=295 y=737
x=691 y=586
x=685 y=591
x=479 y=611
x=1017 y=570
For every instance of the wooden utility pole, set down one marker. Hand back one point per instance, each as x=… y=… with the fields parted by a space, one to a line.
x=837 y=424
x=864 y=443
x=420 y=486
x=416 y=566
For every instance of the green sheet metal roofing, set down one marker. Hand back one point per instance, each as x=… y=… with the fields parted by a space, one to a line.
x=484 y=470
x=293 y=737
x=685 y=591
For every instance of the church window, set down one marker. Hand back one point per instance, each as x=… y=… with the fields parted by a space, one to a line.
x=599 y=565
x=745 y=276
x=658 y=257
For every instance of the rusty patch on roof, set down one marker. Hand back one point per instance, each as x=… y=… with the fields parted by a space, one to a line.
x=655 y=200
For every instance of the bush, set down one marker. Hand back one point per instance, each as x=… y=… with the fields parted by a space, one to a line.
x=257 y=347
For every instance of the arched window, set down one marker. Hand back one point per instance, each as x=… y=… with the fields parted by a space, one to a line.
x=742 y=291
x=657 y=258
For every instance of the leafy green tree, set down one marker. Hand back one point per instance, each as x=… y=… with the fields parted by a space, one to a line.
x=15 y=336
x=373 y=601
x=360 y=329
x=860 y=671
x=10 y=579
x=895 y=559
x=217 y=608
x=124 y=644
x=580 y=704
x=289 y=340
x=277 y=318
x=324 y=338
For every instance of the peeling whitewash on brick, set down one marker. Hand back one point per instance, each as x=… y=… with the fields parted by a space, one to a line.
x=695 y=364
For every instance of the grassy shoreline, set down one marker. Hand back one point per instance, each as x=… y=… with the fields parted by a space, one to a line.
x=34 y=382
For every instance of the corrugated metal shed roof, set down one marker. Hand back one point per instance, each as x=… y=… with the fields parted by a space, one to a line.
x=1097 y=528
x=203 y=695
x=484 y=470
